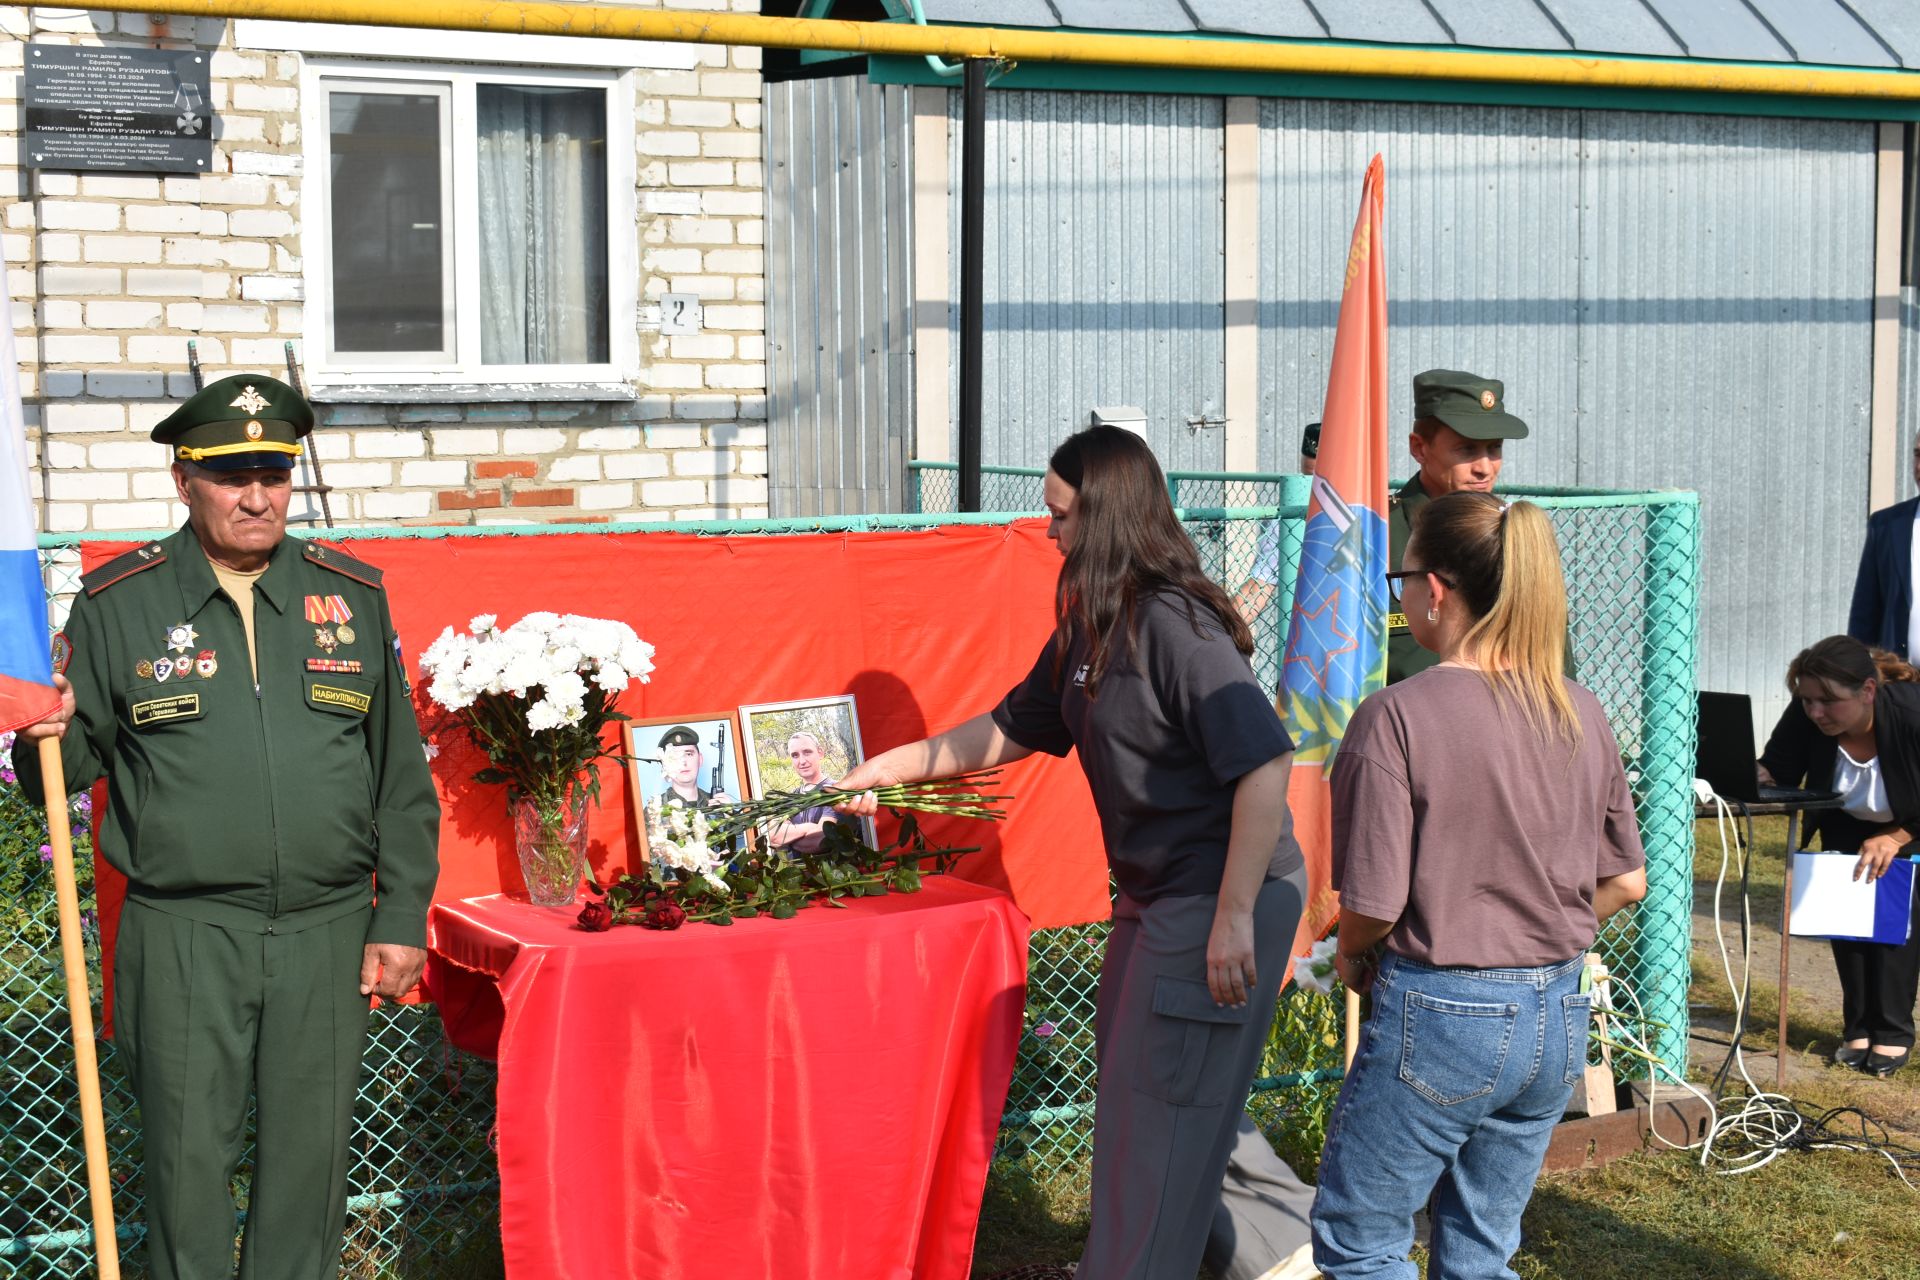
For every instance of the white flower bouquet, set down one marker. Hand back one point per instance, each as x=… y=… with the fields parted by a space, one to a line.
x=536 y=697
x=1314 y=970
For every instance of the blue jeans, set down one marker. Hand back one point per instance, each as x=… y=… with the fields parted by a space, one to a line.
x=1460 y=1077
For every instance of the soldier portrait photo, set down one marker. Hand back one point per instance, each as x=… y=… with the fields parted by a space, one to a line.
x=687 y=761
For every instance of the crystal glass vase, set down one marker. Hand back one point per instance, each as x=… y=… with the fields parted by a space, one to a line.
x=551 y=839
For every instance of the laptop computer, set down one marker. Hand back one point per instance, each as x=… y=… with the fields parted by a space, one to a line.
x=1726 y=758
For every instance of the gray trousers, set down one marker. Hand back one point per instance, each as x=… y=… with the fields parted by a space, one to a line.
x=1170 y=1114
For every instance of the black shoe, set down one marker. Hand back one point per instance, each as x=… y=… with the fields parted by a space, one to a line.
x=1885 y=1064
x=1851 y=1058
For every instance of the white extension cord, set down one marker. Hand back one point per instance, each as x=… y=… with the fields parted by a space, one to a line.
x=1764 y=1124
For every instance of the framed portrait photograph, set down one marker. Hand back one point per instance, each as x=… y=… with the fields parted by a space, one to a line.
x=794 y=746
x=692 y=761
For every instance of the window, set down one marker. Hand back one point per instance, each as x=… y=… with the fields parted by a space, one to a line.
x=469 y=225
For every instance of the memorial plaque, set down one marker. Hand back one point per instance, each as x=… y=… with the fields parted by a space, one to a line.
x=124 y=109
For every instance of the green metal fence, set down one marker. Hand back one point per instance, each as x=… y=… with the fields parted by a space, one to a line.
x=424 y=1182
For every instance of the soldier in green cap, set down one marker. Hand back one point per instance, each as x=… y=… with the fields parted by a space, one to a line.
x=1460 y=424
x=271 y=807
x=680 y=761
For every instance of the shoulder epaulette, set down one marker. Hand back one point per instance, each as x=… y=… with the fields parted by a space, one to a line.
x=328 y=557
x=121 y=567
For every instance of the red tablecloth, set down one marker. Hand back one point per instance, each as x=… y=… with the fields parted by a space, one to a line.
x=814 y=1097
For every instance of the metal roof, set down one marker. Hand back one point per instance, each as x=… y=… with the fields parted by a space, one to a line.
x=1847 y=33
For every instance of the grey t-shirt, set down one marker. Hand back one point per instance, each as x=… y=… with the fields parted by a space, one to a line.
x=1172 y=732
x=1480 y=837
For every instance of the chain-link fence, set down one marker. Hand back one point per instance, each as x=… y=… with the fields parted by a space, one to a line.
x=424 y=1180
x=1632 y=580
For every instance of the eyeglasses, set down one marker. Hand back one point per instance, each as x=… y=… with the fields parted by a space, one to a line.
x=1394 y=579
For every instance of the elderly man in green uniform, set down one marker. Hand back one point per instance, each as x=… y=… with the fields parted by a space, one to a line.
x=244 y=696
x=1460 y=423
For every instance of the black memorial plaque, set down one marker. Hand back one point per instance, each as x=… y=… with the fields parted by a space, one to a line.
x=119 y=108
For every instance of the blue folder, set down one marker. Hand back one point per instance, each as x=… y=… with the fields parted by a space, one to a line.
x=1892 y=904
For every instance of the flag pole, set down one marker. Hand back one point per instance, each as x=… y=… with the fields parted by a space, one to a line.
x=1353 y=1031
x=86 y=1066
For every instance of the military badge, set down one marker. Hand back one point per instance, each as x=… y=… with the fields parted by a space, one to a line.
x=162 y=669
x=344 y=632
x=206 y=664
x=255 y=431
x=181 y=637
x=143 y=670
x=249 y=401
x=62 y=653
x=324 y=639
x=336 y=666
x=1486 y=400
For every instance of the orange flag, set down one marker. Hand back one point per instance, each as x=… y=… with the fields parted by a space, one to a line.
x=1337 y=642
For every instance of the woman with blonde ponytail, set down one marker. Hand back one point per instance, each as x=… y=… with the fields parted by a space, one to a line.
x=1482 y=830
x=1854 y=727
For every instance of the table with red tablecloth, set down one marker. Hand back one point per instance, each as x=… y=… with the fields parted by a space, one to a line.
x=813 y=1097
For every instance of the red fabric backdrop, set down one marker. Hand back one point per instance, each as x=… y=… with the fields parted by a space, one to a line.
x=924 y=627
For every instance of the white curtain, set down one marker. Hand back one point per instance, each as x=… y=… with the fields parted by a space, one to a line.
x=543 y=225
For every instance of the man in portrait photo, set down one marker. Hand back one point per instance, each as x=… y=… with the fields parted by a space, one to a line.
x=681 y=763
x=805 y=831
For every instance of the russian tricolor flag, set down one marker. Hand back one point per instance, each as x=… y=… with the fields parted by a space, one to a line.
x=26 y=666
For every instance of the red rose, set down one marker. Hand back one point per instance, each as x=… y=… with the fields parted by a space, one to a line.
x=665 y=916
x=596 y=917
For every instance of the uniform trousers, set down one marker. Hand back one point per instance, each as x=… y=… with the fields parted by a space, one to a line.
x=204 y=1015
x=1174 y=1069
x=1877 y=988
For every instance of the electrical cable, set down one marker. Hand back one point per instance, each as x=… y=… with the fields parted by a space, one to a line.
x=1763 y=1125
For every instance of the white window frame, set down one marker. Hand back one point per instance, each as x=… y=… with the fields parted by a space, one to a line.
x=359 y=375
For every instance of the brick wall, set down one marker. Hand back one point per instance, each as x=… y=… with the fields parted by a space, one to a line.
x=111 y=275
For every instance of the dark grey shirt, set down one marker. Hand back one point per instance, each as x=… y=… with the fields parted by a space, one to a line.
x=1177 y=724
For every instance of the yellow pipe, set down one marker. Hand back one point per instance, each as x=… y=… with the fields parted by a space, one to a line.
x=953 y=43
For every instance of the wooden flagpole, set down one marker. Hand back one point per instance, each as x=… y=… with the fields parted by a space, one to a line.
x=86 y=1066
x=1353 y=1031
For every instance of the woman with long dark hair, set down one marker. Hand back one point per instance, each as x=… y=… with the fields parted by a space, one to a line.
x=1854 y=727
x=1146 y=674
x=1482 y=830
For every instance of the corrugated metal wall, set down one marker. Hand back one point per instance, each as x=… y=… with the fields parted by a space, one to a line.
x=1105 y=282
x=1727 y=347
x=1909 y=394
x=839 y=295
x=1672 y=300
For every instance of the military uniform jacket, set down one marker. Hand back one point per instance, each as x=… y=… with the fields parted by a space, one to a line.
x=270 y=808
x=1405 y=657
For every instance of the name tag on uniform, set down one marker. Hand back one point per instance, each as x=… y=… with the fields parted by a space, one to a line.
x=332 y=696
x=181 y=706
